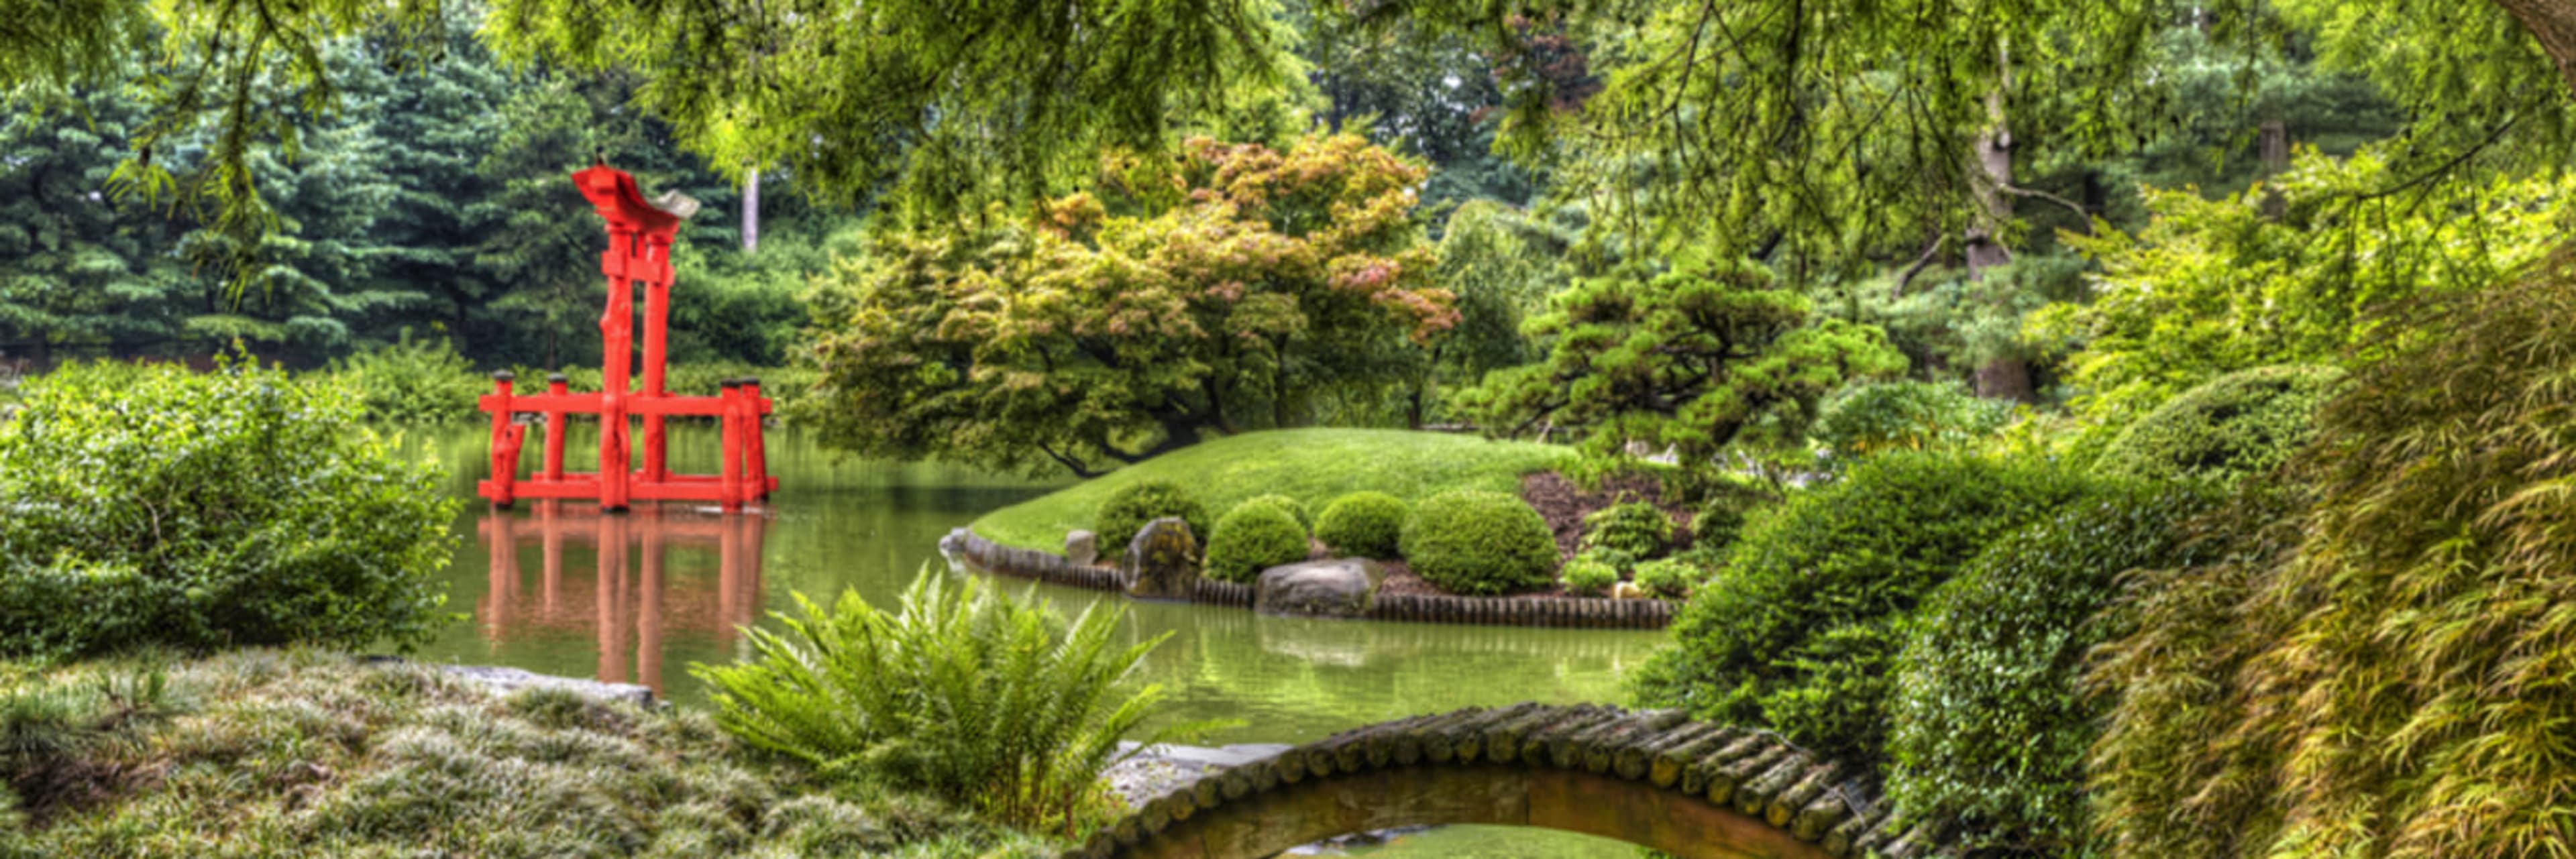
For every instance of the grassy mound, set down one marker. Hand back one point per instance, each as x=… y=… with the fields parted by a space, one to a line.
x=262 y=753
x=1313 y=466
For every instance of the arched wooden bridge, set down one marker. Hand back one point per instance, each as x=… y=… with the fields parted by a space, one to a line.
x=1650 y=777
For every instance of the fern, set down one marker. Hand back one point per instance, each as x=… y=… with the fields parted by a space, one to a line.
x=969 y=693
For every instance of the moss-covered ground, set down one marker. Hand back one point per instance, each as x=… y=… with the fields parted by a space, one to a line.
x=1313 y=466
x=267 y=753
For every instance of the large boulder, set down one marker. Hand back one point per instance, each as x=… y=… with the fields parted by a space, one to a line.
x=1163 y=561
x=1342 y=587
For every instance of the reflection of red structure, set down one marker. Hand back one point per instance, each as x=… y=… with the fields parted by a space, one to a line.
x=627 y=611
x=639 y=249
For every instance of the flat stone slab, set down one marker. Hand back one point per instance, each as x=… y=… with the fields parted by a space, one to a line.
x=1342 y=587
x=503 y=681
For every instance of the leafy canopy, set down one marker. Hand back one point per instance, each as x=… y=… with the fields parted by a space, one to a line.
x=1237 y=295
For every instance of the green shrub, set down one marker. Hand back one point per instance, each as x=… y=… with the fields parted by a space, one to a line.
x=1613 y=558
x=1472 y=542
x=1989 y=729
x=965 y=692
x=1589 y=577
x=1798 y=630
x=2236 y=426
x=148 y=505
x=1253 y=537
x=1138 y=504
x=1637 y=528
x=1725 y=505
x=1669 y=578
x=414 y=381
x=1365 y=524
x=1905 y=415
x=1290 y=506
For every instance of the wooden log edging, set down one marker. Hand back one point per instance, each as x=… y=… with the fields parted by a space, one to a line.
x=966 y=546
x=1778 y=794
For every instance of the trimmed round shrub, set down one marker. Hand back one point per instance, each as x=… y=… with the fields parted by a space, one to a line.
x=153 y=506
x=2230 y=428
x=1636 y=528
x=1251 y=538
x=1364 y=524
x=1668 y=579
x=1290 y=506
x=1799 y=630
x=1130 y=508
x=1477 y=542
x=1588 y=576
x=1724 y=510
x=1989 y=729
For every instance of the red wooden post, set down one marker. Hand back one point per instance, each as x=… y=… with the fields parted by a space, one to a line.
x=756 y=462
x=657 y=316
x=557 y=386
x=505 y=443
x=729 y=426
x=616 y=330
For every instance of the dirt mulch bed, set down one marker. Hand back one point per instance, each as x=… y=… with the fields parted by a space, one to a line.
x=1564 y=505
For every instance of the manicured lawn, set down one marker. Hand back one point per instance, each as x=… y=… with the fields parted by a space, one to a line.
x=1313 y=466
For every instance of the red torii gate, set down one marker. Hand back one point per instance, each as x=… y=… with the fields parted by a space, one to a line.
x=639 y=249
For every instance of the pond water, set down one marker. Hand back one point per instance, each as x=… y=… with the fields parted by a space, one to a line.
x=542 y=595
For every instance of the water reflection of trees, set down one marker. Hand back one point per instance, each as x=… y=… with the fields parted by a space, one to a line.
x=627 y=607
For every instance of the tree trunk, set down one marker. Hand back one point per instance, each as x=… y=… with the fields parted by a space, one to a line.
x=1993 y=162
x=2553 y=23
x=2276 y=158
x=2006 y=378
x=751 y=211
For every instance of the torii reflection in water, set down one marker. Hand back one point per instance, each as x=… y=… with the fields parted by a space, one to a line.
x=627 y=610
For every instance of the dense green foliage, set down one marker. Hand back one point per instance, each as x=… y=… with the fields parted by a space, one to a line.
x=1131 y=507
x=148 y=505
x=1904 y=415
x=1799 y=630
x=1479 y=543
x=1989 y=729
x=2236 y=426
x=966 y=692
x=1637 y=529
x=413 y=381
x=1291 y=506
x=1706 y=358
x=1671 y=578
x=1726 y=504
x=1364 y=524
x=1587 y=576
x=1251 y=538
x=1314 y=466
x=1106 y=330
x=2377 y=664
x=307 y=754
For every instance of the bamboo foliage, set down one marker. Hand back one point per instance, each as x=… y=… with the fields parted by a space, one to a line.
x=961 y=690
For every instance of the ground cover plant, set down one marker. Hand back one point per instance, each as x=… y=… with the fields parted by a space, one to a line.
x=994 y=702
x=1800 y=628
x=306 y=754
x=1637 y=529
x=1479 y=543
x=152 y=505
x=1313 y=466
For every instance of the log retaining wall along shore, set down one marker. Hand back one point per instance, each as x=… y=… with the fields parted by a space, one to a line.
x=964 y=547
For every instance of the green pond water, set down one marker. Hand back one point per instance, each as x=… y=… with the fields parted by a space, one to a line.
x=539 y=597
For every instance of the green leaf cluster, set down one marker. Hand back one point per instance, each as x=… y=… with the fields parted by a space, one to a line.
x=1367 y=524
x=1637 y=529
x=1138 y=504
x=982 y=698
x=2236 y=426
x=149 y=505
x=1587 y=576
x=1479 y=543
x=1799 y=630
x=413 y=381
x=1905 y=414
x=1990 y=725
x=1253 y=537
